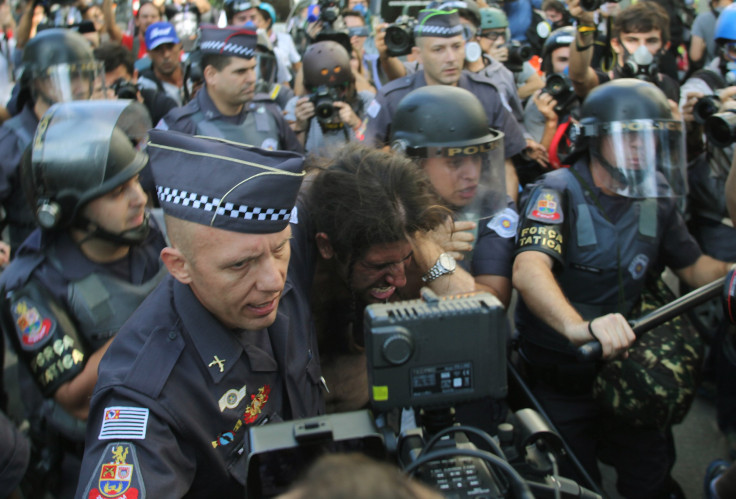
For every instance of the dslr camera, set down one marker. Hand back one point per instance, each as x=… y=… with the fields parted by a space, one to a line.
x=560 y=88
x=323 y=98
x=519 y=53
x=400 y=36
x=125 y=89
x=720 y=128
x=706 y=107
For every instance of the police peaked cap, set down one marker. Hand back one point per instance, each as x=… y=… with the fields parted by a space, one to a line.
x=231 y=41
x=224 y=184
x=438 y=23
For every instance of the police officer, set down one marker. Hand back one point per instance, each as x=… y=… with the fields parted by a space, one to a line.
x=58 y=66
x=225 y=107
x=223 y=343
x=441 y=50
x=332 y=112
x=446 y=131
x=79 y=276
x=588 y=237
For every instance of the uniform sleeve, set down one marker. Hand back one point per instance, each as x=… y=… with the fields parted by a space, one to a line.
x=494 y=249
x=289 y=141
x=543 y=227
x=130 y=449
x=378 y=117
x=678 y=248
x=502 y=119
x=9 y=160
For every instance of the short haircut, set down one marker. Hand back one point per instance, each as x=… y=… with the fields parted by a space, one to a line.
x=353 y=13
x=113 y=54
x=217 y=61
x=642 y=17
x=148 y=2
x=365 y=196
x=554 y=5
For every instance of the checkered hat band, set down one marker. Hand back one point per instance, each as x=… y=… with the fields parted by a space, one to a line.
x=227 y=48
x=214 y=205
x=442 y=31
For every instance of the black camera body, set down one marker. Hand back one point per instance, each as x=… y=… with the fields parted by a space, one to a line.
x=519 y=53
x=591 y=5
x=329 y=11
x=323 y=99
x=400 y=36
x=436 y=352
x=125 y=89
x=559 y=86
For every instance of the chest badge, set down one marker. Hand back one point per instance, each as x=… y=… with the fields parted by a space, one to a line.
x=219 y=363
x=231 y=398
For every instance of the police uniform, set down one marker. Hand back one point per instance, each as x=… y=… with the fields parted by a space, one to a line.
x=380 y=112
x=260 y=123
x=493 y=251
x=602 y=248
x=178 y=390
x=16 y=135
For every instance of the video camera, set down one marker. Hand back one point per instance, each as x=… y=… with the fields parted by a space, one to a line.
x=400 y=36
x=559 y=86
x=333 y=27
x=323 y=99
x=519 y=53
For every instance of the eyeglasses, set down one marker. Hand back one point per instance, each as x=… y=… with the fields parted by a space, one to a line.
x=493 y=35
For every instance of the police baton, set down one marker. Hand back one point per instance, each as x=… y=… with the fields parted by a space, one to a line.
x=725 y=286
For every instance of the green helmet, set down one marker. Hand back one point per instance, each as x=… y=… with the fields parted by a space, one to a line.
x=492 y=17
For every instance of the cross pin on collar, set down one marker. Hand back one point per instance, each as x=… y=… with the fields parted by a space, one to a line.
x=219 y=363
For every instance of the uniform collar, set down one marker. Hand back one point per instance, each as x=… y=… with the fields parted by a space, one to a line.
x=210 y=111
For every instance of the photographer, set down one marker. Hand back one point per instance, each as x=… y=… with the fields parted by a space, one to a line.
x=121 y=80
x=639 y=36
x=333 y=111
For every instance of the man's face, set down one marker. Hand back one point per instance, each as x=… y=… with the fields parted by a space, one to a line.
x=454 y=179
x=443 y=59
x=236 y=83
x=65 y=87
x=165 y=58
x=381 y=271
x=560 y=59
x=147 y=15
x=553 y=15
x=116 y=74
x=251 y=15
x=239 y=277
x=119 y=210
x=356 y=41
x=490 y=38
x=652 y=40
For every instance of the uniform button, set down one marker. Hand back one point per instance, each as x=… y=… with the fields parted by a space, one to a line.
x=172 y=335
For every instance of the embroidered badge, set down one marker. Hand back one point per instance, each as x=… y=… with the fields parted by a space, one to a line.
x=119 y=475
x=218 y=362
x=547 y=207
x=638 y=266
x=270 y=144
x=231 y=398
x=32 y=327
x=504 y=223
x=124 y=423
x=254 y=409
x=373 y=109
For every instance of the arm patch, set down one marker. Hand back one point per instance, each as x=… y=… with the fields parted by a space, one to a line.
x=542 y=228
x=545 y=206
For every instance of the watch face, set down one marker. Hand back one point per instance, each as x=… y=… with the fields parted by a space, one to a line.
x=447 y=262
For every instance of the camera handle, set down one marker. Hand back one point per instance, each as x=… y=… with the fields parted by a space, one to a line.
x=593 y=350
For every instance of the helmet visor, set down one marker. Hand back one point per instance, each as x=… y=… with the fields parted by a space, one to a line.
x=265 y=71
x=470 y=179
x=642 y=158
x=70 y=82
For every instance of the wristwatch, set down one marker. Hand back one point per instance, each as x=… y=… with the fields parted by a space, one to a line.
x=445 y=265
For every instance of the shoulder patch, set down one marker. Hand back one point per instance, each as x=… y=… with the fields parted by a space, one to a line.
x=504 y=223
x=34 y=323
x=373 y=109
x=545 y=207
x=117 y=475
x=270 y=144
x=123 y=423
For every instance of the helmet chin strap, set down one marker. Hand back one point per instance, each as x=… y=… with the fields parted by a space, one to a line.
x=130 y=237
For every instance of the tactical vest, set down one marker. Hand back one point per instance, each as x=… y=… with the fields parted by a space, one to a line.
x=258 y=129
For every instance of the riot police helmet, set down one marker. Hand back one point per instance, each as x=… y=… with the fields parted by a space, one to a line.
x=81 y=151
x=636 y=140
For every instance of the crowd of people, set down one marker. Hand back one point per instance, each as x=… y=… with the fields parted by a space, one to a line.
x=199 y=202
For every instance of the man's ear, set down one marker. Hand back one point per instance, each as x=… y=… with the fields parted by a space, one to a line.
x=324 y=245
x=177 y=264
x=209 y=73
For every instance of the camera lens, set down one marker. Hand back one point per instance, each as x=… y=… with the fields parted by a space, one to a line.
x=721 y=129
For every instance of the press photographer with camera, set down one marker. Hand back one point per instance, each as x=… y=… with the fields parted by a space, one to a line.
x=121 y=80
x=333 y=111
x=639 y=36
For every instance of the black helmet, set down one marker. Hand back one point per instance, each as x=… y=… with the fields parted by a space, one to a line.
x=434 y=117
x=326 y=63
x=232 y=7
x=628 y=127
x=562 y=37
x=58 y=55
x=81 y=151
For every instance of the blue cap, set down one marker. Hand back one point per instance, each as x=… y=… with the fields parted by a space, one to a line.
x=160 y=33
x=224 y=184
